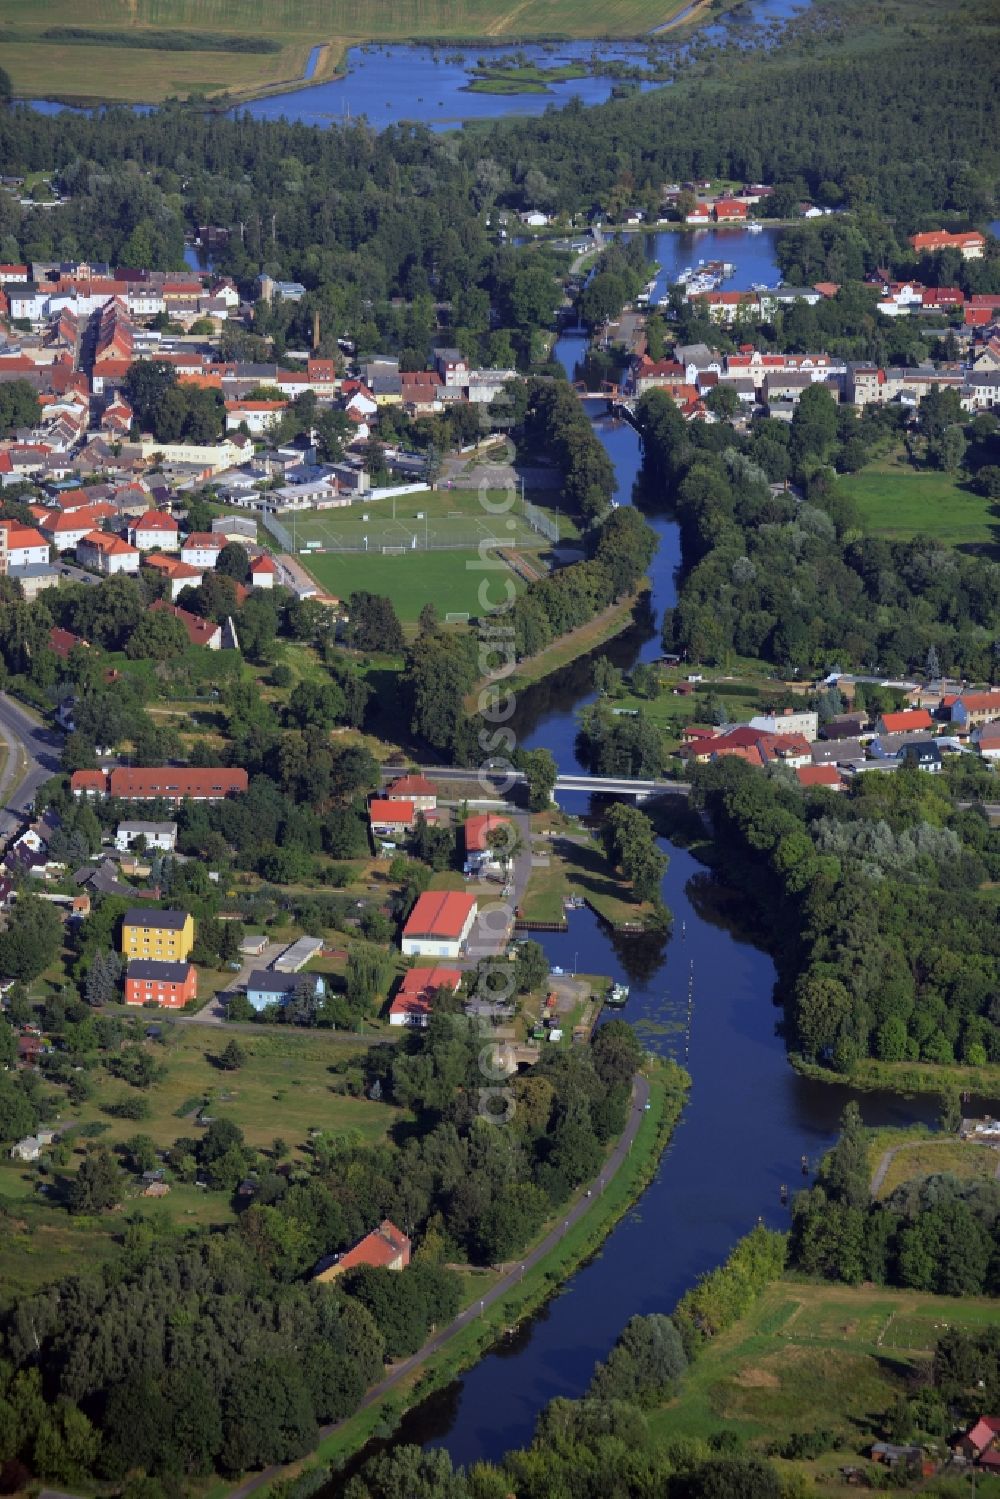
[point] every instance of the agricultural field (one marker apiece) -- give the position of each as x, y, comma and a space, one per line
288, 1085
900, 501
105, 69
811, 1356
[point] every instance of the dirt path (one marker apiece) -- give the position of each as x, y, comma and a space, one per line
640, 1097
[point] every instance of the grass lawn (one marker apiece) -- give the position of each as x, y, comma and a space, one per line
50, 67
451, 580
577, 866
900, 501
814, 1355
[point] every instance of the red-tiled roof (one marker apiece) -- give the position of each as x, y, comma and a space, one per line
199, 631
62, 642
381, 811
111, 546
263, 564
175, 781
819, 775
909, 718
379, 1248
88, 780
419, 987
411, 785
477, 830
155, 520
439, 913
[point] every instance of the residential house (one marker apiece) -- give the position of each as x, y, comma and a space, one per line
981, 1438
827, 776
28, 1149
164, 935
844, 726
909, 720
256, 416
167, 984
730, 210
452, 366
65, 530
922, 754
416, 789
386, 1248
156, 531
107, 554
203, 632
970, 710
180, 575
847, 753
159, 835
201, 549
390, 819
263, 571
439, 924
267, 986
25, 546
34, 578
479, 833
414, 999
987, 742
788, 721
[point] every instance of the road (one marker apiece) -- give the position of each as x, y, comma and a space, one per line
501, 781
33, 757
508, 1283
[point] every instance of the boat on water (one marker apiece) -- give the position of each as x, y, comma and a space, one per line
617, 996
754, 228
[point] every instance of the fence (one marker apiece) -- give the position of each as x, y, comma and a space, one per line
544, 524
281, 535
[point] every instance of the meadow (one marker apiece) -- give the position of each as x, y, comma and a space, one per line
59, 68
810, 1356
899, 501
289, 1084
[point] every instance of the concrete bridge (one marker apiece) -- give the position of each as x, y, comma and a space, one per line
501, 780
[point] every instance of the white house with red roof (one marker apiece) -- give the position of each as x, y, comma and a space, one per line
25, 546
107, 554
202, 548
263, 571
180, 575
439, 924
156, 531
414, 999
66, 531
390, 819
203, 632
386, 1248
256, 416
416, 789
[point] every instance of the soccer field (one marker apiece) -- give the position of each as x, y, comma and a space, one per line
449, 580
414, 521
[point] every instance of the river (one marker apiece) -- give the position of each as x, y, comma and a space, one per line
750, 1118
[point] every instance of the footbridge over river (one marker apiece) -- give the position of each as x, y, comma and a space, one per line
498, 779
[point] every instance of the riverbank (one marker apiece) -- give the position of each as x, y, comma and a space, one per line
869, 1075
565, 649
575, 1237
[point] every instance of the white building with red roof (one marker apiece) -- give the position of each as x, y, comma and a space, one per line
156, 531
107, 554
416, 789
386, 1248
415, 997
25, 546
263, 571
202, 548
439, 924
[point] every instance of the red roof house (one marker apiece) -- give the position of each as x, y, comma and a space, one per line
820, 775
905, 722
412, 1004
200, 631
386, 1248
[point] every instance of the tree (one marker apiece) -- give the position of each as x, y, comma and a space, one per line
629, 842
373, 624
19, 406
234, 562
103, 978
541, 771
32, 939
18, 1114
145, 387
814, 424
644, 1364
158, 636
97, 1185
232, 1057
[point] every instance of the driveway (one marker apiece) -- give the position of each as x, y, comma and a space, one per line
214, 1013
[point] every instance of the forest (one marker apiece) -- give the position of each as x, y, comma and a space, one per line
934, 1234
886, 944
793, 580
